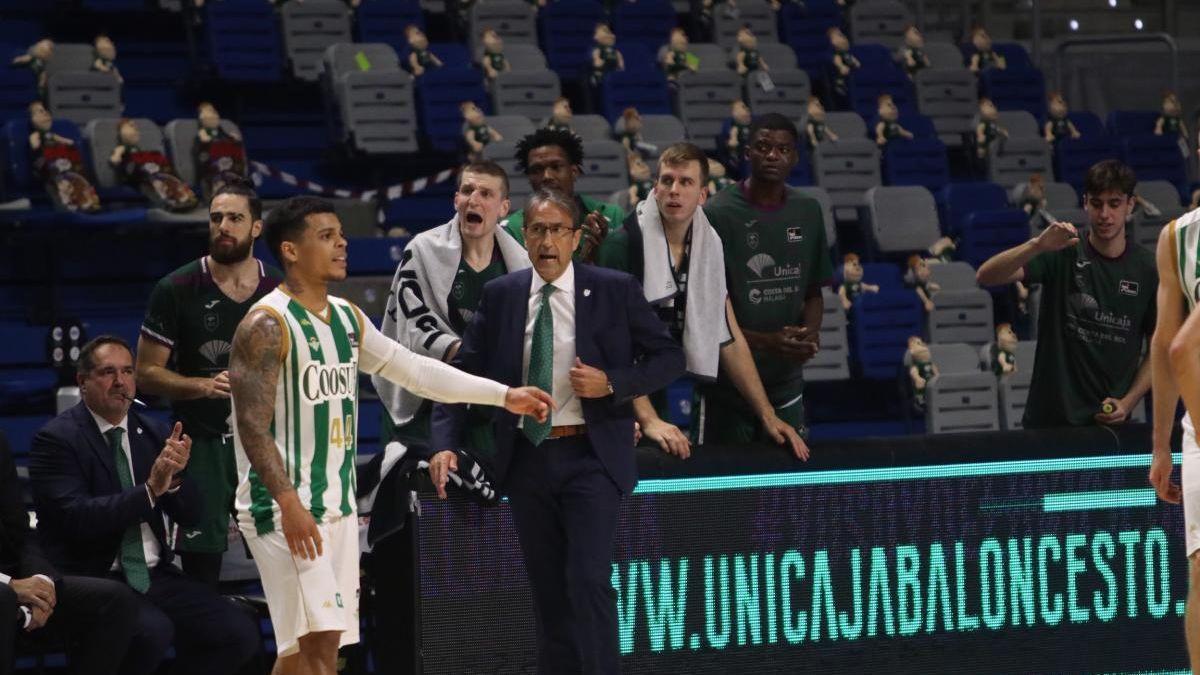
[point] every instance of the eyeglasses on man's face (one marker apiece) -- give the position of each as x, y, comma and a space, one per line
553, 231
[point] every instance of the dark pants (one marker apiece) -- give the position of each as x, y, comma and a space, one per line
564, 506
211, 634
94, 618
203, 567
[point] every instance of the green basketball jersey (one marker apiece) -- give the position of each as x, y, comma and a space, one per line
316, 412
467, 290
772, 258
1095, 316
192, 316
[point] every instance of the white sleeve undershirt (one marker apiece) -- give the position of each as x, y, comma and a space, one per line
424, 376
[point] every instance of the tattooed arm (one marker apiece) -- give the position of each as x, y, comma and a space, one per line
258, 349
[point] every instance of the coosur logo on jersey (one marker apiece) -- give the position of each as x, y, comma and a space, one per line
322, 382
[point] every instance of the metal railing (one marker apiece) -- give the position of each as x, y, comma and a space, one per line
1084, 40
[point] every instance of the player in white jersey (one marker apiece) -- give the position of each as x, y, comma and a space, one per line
1175, 359
294, 378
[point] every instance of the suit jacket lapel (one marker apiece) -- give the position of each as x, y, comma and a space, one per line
583, 312
98, 445
514, 341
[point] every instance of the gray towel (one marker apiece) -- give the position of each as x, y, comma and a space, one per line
422, 324
705, 327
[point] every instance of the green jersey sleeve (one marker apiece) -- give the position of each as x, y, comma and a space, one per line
614, 251
1038, 268
821, 265
162, 316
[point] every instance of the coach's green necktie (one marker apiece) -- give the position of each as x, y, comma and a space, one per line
541, 364
133, 556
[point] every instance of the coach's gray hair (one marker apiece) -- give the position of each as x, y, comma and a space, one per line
549, 196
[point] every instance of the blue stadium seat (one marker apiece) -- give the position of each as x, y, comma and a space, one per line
1073, 157
986, 233
244, 40
1151, 157
1014, 54
1015, 89
566, 28
957, 200
1156, 158
17, 88
114, 5
880, 325
418, 212
384, 21
439, 94
375, 255
18, 171
116, 300
879, 75
20, 431
1125, 123
646, 22
452, 54
921, 161
642, 88
885, 275
803, 29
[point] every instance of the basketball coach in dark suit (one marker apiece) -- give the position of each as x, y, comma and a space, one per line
95, 616
586, 335
104, 476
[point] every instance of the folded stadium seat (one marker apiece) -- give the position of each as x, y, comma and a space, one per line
1073, 157
511, 127
309, 28
880, 325
604, 169
961, 315
986, 233
822, 197
832, 362
903, 219
948, 95
101, 139
804, 28
658, 131
25, 370
440, 91
778, 56
879, 21
372, 96
643, 88
755, 14
1061, 202
790, 93
921, 161
530, 92
1165, 198
646, 22
525, 57
702, 101
589, 127
1023, 153
953, 276
504, 153
879, 74
370, 293
76, 93
847, 169
1015, 89
709, 56
846, 124
180, 139
566, 29
1013, 389
514, 20
962, 398
957, 200
244, 40
385, 20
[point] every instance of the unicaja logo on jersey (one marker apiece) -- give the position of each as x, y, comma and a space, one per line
321, 382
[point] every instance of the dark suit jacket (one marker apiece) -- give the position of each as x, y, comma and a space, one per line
82, 509
615, 331
20, 555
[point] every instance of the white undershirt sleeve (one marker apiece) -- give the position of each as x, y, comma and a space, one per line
424, 376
